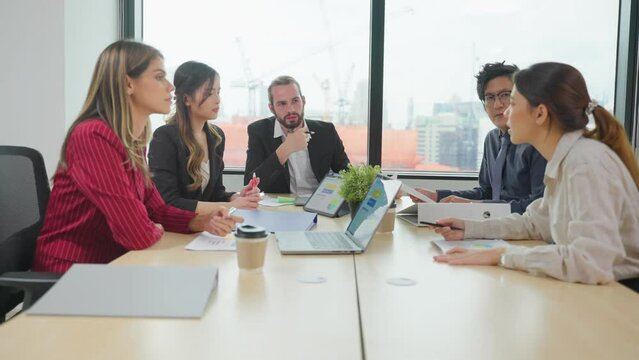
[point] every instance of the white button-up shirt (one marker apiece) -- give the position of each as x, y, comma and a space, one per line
303, 181
205, 169
590, 210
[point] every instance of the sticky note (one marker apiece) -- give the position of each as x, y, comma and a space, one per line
285, 200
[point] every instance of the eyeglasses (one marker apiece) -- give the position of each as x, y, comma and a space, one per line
504, 98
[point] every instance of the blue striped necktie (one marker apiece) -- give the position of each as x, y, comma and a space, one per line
498, 166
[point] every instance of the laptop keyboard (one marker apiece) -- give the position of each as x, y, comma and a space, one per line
321, 241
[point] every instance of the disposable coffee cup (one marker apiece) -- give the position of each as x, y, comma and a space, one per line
251, 247
388, 221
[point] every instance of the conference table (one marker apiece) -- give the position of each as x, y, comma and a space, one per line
359, 311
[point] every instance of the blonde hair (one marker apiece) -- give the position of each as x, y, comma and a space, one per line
107, 98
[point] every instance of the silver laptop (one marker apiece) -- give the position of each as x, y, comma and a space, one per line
359, 232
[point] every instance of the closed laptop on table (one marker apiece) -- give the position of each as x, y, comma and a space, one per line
421, 214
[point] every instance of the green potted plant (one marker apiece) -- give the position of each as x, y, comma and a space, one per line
356, 180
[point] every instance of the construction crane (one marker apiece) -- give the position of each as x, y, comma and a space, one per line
325, 86
251, 83
342, 101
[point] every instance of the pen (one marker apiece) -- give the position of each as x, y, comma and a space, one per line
438, 225
253, 182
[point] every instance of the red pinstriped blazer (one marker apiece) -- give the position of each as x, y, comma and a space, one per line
100, 207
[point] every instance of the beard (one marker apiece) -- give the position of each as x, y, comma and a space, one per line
291, 124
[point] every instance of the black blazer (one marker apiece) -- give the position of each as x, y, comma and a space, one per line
325, 150
168, 158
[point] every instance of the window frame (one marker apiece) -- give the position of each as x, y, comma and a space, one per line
626, 78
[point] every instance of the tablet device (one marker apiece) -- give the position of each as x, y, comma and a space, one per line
326, 199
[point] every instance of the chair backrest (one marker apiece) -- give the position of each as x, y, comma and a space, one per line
24, 193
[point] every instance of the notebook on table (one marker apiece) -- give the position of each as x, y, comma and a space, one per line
129, 291
358, 234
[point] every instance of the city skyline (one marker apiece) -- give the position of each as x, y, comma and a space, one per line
432, 52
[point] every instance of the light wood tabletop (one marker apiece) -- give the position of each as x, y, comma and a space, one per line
484, 312
249, 316
469, 312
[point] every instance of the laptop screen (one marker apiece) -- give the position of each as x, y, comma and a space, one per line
326, 198
370, 213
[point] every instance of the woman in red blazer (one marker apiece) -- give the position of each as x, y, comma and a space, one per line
103, 202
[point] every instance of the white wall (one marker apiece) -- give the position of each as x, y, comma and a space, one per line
89, 27
32, 80
49, 48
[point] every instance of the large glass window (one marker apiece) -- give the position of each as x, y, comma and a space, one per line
433, 119
324, 44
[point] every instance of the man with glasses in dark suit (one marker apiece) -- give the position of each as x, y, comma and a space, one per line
509, 173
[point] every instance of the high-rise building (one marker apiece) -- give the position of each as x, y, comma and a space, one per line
450, 136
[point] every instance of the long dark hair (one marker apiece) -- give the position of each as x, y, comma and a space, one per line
189, 77
563, 90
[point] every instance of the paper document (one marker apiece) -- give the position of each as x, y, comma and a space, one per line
407, 189
209, 242
472, 244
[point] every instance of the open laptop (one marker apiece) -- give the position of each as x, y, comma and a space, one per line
359, 232
326, 199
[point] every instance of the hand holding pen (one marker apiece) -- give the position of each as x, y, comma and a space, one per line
251, 188
450, 228
296, 140
254, 181
249, 196
307, 132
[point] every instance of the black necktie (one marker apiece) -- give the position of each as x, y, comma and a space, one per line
498, 167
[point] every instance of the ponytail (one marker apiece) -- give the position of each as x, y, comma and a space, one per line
610, 132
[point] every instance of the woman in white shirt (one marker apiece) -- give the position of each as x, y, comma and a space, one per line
589, 215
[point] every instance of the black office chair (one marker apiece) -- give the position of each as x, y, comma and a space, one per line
632, 284
24, 193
